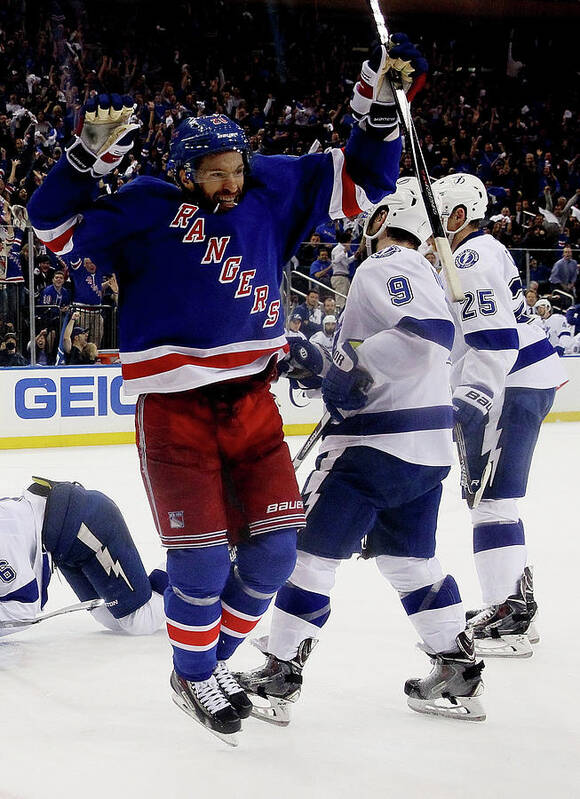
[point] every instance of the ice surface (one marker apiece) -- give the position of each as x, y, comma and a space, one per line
87, 714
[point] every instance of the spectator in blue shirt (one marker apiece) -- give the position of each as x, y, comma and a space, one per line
564, 272
321, 269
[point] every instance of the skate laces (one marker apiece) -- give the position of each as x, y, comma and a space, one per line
226, 680
209, 694
483, 616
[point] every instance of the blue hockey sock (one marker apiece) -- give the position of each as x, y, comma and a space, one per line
306, 605
437, 613
262, 565
193, 608
500, 557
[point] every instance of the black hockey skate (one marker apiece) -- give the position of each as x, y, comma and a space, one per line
232, 690
507, 630
453, 687
277, 682
206, 704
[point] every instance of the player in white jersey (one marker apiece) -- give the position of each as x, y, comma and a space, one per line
324, 339
504, 376
83, 534
382, 464
557, 330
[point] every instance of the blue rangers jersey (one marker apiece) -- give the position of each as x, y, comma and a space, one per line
497, 345
11, 246
396, 307
199, 294
24, 567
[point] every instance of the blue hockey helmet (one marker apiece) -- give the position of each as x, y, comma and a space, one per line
200, 136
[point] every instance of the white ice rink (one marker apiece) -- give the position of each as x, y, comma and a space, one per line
87, 714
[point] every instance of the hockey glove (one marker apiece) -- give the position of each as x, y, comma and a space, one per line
373, 103
471, 407
105, 134
304, 364
406, 66
346, 385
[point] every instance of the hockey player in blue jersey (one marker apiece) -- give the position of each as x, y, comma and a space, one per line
201, 356
82, 534
382, 465
504, 376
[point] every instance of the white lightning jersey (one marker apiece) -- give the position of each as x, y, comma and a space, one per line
557, 331
324, 344
497, 345
396, 307
24, 568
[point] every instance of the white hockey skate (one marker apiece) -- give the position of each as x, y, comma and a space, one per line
453, 687
507, 630
205, 703
276, 685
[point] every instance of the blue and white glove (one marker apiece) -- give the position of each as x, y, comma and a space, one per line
372, 102
303, 365
471, 407
106, 134
346, 385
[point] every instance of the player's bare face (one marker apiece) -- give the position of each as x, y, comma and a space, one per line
221, 179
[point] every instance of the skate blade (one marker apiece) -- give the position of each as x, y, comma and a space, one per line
533, 634
231, 739
464, 708
508, 646
276, 712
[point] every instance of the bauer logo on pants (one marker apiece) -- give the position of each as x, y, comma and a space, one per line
176, 520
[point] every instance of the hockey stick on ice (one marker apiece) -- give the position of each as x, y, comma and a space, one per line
90, 604
312, 439
420, 168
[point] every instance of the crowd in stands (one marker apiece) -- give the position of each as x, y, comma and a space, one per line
285, 75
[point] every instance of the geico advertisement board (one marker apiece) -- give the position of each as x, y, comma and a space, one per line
61, 406
66, 401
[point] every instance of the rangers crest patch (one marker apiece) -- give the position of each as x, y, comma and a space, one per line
176, 520
466, 259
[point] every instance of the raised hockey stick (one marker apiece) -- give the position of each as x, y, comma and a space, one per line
404, 112
90, 604
312, 439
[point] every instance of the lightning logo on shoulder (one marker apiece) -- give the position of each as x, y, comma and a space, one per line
466, 259
388, 251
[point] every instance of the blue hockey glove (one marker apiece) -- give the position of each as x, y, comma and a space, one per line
105, 135
346, 385
406, 66
471, 407
304, 363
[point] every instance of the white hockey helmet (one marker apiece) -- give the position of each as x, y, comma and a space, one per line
460, 189
546, 305
405, 210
